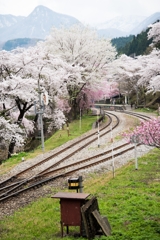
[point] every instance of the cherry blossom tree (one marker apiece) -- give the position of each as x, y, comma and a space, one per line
150, 73
22, 85
126, 72
140, 74
148, 133
154, 33
88, 97
15, 91
82, 50
8, 131
21, 70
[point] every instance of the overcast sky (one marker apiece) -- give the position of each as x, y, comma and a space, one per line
87, 11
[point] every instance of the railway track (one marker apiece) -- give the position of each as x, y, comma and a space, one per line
46, 176
138, 115
15, 185
89, 138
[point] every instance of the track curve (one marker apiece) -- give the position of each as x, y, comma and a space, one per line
15, 188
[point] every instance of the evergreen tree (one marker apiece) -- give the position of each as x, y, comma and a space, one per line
137, 46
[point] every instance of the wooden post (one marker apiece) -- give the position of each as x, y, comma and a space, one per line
67, 128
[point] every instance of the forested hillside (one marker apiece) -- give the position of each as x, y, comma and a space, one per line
19, 42
121, 42
133, 45
138, 45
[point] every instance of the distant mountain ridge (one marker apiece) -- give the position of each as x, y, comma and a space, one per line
37, 25
110, 33
9, 20
145, 23
130, 23
122, 23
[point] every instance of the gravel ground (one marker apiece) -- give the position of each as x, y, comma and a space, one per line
10, 206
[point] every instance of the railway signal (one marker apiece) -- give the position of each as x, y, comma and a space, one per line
98, 133
43, 100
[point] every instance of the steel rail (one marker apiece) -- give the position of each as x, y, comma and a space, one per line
45, 172
14, 177
63, 174
20, 183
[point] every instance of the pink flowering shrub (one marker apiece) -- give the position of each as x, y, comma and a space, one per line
148, 133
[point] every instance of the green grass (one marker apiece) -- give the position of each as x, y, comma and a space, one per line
130, 201
75, 130
57, 139
146, 110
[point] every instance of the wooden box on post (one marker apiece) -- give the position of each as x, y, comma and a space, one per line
70, 206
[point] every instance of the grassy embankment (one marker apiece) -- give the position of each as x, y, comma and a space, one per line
131, 201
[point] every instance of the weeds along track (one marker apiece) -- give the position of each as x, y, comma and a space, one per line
60, 168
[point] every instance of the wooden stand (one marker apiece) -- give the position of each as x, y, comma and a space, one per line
70, 204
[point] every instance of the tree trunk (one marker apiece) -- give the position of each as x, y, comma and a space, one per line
22, 109
11, 147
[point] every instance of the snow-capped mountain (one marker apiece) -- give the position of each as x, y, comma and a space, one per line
126, 25
37, 25
9, 20
122, 23
110, 33
144, 24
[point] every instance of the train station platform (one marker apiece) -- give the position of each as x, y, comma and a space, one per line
112, 107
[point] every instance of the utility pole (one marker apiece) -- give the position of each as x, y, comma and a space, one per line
98, 135
98, 129
80, 119
40, 114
